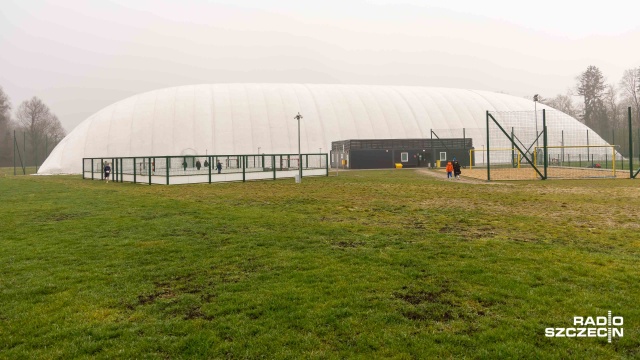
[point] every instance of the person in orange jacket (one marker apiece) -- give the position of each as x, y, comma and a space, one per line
449, 170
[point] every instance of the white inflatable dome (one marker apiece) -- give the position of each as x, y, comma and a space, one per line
247, 118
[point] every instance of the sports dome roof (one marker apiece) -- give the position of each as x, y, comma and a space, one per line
240, 118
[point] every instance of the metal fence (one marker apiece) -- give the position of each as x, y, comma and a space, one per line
524, 145
192, 169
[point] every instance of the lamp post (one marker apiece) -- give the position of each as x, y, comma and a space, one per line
299, 117
535, 111
258, 150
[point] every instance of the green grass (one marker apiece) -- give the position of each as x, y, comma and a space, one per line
369, 264
8, 171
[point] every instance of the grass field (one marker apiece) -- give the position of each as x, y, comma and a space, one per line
369, 264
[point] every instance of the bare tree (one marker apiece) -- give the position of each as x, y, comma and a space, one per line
6, 126
40, 124
55, 130
612, 106
563, 103
630, 85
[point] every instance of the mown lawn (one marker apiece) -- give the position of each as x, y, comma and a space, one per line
369, 264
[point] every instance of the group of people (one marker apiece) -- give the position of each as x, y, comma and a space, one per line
453, 169
199, 165
107, 167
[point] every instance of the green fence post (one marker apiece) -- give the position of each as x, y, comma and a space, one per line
273, 165
166, 165
209, 158
134, 170
488, 152
544, 143
433, 154
149, 171
630, 145
326, 163
243, 167
92, 168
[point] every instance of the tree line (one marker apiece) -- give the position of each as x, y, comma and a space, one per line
37, 131
603, 106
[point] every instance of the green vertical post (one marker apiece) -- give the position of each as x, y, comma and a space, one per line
209, 158
14, 152
134, 170
244, 158
587, 145
92, 167
433, 154
630, 145
149, 171
166, 165
514, 161
24, 149
544, 142
488, 152
83, 168
101, 169
464, 145
273, 165
326, 163
562, 143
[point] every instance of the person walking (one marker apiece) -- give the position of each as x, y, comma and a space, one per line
219, 166
456, 169
449, 169
107, 172
198, 165
184, 164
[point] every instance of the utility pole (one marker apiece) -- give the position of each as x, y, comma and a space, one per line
536, 97
299, 117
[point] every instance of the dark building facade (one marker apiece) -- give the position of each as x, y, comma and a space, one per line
386, 153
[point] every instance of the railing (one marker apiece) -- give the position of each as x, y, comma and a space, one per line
192, 169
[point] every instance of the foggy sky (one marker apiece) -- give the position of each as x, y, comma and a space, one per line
80, 56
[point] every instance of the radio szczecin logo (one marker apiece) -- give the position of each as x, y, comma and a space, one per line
599, 327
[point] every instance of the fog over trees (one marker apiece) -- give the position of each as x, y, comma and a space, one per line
600, 104
37, 131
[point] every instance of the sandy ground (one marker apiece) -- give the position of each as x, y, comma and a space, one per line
479, 175
442, 175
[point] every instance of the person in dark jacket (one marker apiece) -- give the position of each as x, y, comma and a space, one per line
107, 171
456, 169
219, 166
198, 165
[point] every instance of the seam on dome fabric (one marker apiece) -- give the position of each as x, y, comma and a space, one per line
353, 119
315, 103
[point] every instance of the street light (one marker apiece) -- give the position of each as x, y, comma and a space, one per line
258, 150
299, 117
536, 98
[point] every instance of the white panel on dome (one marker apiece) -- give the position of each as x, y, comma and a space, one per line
164, 125
142, 124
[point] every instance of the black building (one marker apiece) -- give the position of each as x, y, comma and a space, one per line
386, 153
